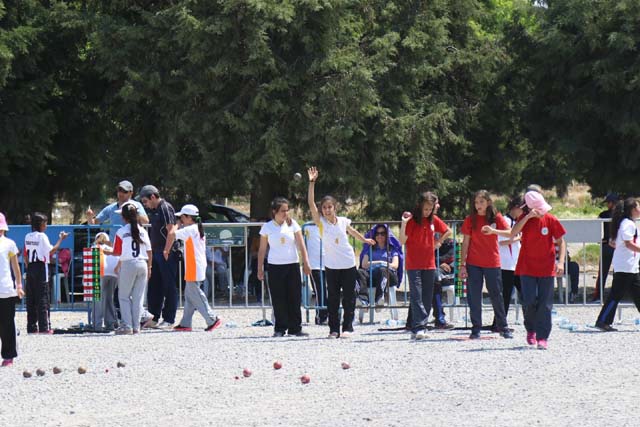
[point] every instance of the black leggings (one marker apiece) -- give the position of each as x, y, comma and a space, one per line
341, 280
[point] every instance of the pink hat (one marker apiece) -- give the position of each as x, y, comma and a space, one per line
535, 200
3, 223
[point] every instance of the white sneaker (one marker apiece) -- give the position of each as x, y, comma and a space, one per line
150, 323
165, 325
420, 336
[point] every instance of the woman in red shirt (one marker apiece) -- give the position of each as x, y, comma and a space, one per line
480, 259
417, 233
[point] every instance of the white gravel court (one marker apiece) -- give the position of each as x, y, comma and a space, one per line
586, 378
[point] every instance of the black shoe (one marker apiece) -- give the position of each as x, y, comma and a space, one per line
506, 333
475, 335
605, 328
444, 326
278, 334
300, 334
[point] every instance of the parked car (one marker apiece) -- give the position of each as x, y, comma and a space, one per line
221, 213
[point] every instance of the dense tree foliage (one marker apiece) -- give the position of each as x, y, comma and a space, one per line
208, 99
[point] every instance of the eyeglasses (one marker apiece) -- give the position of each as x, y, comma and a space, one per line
381, 233
122, 190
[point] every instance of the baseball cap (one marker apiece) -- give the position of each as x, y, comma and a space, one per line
190, 210
3, 223
148, 190
535, 200
125, 185
611, 197
125, 204
102, 235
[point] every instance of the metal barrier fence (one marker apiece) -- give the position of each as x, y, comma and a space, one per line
231, 273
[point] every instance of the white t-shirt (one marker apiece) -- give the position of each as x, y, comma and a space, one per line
8, 250
509, 253
282, 243
109, 262
313, 242
194, 251
38, 249
624, 259
339, 253
127, 248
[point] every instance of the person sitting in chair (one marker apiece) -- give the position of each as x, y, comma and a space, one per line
382, 269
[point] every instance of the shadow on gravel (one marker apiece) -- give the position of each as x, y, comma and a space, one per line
518, 348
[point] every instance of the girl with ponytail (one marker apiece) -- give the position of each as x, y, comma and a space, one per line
195, 267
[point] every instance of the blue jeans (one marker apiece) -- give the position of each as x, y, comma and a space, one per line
537, 303
162, 293
493, 278
421, 292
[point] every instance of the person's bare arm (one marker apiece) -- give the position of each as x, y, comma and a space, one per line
563, 251
63, 235
306, 267
311, 200
264, 242
18, 275
463, 255
355, 233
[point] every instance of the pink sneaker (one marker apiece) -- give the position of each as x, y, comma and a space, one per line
542, 344
531, 338
7, 362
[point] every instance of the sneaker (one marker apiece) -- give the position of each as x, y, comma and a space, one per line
531, 338
444, 326
48, 332
346, 334
136, 331
150, 324
605, 328
506, 333
475, 335
7, 362
420, 335
334, 335
278, 334
181, 328
165, 325
542, 344
215, 325
300, 334
124, 331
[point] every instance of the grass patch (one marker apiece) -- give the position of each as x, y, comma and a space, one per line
592, 252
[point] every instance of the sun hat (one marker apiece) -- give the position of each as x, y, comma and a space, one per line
535, 200
129, 203
191, 210
3, 223
126, 186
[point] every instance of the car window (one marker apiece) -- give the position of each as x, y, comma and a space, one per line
218, 217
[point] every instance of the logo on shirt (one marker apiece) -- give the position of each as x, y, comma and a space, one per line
337, 241
544, 231
282, 240
433, 227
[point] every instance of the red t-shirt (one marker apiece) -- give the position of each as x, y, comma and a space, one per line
483, 248
420, 243
538, 252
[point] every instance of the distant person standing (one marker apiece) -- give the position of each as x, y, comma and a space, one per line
10, 293
607, 250
162, 294
108, 215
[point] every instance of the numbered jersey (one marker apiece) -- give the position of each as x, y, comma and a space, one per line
127, 248
37, 247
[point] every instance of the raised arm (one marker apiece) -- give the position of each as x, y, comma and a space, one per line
403, 227
355, 233
311, 196
63, 235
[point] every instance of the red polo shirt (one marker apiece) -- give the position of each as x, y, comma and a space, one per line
538, 252
483, 248
420, 243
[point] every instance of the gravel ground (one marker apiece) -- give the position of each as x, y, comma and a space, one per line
195, 378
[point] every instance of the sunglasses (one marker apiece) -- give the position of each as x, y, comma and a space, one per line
381, 233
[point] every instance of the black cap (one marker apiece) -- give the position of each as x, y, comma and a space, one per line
148, 190
611, 197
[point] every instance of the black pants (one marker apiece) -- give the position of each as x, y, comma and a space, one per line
285, 285
320, 289
341, 280
607, 257
621, 282
162, 293
37, 298
378, 280
8, 327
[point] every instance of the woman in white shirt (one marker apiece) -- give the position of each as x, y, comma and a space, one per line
282, 235
625, 261
340, 261
133, 247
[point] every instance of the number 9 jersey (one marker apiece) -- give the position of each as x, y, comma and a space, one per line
127, 248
